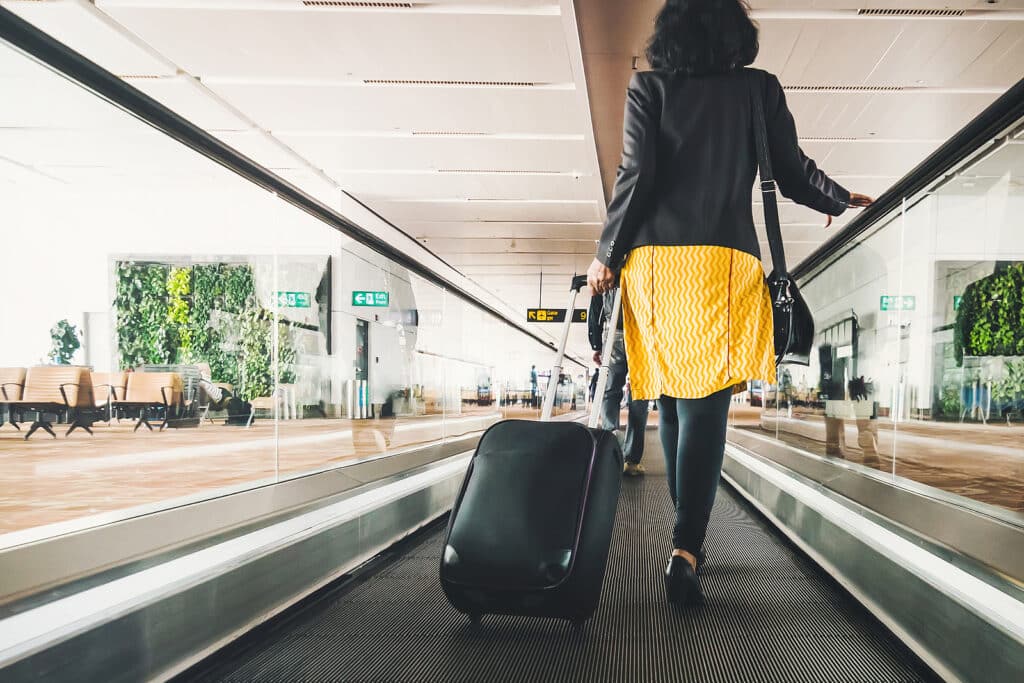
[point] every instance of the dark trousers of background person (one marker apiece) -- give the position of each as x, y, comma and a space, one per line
636, 422
693, 437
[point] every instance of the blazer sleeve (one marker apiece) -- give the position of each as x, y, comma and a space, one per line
799, 178
635, 175
594, 322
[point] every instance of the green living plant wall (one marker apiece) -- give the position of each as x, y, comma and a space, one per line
206, 313
140, 302
990, 319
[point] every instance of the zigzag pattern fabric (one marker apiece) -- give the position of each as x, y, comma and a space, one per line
697, 319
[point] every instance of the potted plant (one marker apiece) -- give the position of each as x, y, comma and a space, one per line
65, 342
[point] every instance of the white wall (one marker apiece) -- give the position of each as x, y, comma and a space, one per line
61, 239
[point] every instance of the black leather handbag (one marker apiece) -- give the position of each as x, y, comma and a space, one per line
793, 322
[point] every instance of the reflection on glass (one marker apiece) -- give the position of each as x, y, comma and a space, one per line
919, 363
174, 333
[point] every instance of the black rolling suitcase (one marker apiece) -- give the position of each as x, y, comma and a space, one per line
530, 529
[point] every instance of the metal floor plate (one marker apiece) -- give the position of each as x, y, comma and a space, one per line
769, 616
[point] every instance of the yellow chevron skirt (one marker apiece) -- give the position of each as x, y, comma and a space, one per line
697, 319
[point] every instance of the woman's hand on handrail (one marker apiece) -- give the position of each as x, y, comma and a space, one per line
858, 201
600, 277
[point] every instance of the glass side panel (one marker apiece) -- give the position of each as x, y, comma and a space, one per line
918, 369
210, 336
136, 299
963, 426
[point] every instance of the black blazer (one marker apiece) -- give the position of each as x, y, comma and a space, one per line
688, 164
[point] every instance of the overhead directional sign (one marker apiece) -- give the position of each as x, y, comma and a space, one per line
897, 303
371, 299
554, 315
293, 299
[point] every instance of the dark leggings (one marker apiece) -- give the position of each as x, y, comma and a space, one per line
693, 438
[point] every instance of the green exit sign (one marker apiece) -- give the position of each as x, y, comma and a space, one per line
293, 299
956, 302
382, 299
897, 303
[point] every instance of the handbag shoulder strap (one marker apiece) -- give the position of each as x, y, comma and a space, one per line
764, 166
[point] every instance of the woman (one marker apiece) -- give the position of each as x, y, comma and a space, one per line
680, 227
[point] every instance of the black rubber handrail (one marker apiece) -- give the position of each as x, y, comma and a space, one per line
995, 118
76, 67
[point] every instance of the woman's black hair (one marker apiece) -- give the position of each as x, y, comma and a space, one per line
700, 37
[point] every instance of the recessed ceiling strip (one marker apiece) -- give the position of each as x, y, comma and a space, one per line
358, 5
909, 12
450, 83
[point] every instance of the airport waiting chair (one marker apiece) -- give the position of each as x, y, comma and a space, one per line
108, 387
189, 406
281, 403
147, 391
56, 389
12, 386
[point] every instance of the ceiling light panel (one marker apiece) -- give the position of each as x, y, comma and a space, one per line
835, 52
429, 185
509, 211
511, 7
305, 44
338, 155
502, 230
893, 10
947, 53
490, 260
84, 29
891, 160
476, 245
1000, 63
906, 53
902, 114
301, 108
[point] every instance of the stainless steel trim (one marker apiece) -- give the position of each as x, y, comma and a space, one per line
35, 567
1002, 514
997, 542
156, 623
942, 619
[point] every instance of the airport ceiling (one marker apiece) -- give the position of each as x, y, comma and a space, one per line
491, 130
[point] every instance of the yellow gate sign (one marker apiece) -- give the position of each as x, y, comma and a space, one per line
554, 315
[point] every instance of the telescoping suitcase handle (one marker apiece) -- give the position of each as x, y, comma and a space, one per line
578, 283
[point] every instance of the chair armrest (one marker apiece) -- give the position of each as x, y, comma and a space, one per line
64, 394
3, 388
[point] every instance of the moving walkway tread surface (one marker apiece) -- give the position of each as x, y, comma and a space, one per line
770, 615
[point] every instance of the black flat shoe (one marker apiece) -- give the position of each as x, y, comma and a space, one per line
681, 585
